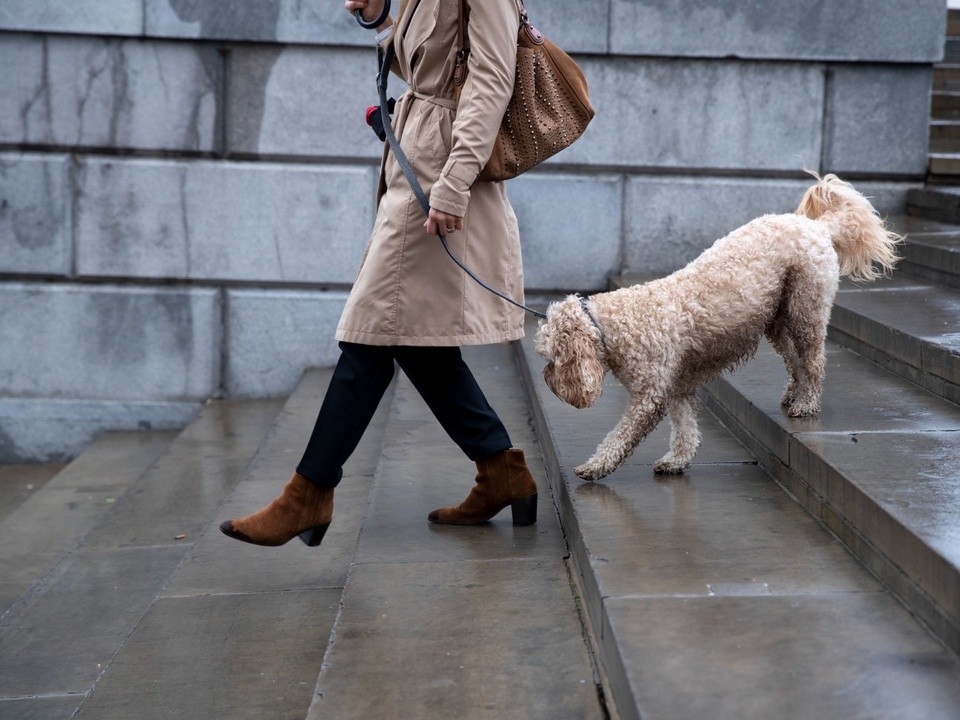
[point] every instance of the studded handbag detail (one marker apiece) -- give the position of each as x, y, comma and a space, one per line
550, 107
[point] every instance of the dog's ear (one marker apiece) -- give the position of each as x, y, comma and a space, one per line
568, 342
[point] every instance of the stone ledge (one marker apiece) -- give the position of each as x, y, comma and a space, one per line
44, 430
874, 466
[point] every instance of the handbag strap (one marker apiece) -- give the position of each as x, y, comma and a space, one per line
463, 38
385, 58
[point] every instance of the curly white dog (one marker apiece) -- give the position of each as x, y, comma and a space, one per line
775, 276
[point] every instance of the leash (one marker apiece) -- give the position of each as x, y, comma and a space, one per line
385, 60
586, 311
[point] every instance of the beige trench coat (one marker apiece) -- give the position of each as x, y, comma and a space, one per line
408, 291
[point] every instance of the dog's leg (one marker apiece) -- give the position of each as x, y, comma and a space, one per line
806, 328
640, 418
684, 437
777, 335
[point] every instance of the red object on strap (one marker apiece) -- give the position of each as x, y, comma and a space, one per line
370, 111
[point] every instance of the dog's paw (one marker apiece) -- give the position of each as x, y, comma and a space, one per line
670, 464
590, 471
802, 410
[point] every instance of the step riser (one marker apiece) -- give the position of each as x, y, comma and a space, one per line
809, 480
925, 364
609, 651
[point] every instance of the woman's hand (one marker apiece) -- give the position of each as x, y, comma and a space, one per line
370, 9
440, 223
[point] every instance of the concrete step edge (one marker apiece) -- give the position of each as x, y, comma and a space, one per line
914, 355
904, 576
620, 689
45, 535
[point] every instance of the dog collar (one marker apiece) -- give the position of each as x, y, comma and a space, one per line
586, 311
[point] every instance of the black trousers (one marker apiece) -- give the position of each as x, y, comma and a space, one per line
359, 381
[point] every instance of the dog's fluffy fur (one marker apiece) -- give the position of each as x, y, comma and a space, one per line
775, 276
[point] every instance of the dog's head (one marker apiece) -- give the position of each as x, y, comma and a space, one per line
570, 343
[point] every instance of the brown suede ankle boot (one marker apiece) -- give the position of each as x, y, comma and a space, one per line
303, 509
502, 479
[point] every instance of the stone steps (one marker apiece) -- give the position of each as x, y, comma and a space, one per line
703, 589
93, 549
395, 616
931, 250
456, 622
935, 202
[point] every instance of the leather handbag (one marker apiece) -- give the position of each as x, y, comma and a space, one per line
550, 107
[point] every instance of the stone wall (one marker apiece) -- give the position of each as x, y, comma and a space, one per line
186, 186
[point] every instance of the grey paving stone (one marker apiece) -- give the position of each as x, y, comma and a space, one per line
717, 530
570, 229
184, 488
61, 638
18, 483
146, 343
877, 119
34, 214
218, 565
420, 469
859, 30
297, 326
46, 708
457, 639
239, 656
650, 114
53, 520
204, 220
849, 655
94, 92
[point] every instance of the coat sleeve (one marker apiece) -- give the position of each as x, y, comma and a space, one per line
493, 26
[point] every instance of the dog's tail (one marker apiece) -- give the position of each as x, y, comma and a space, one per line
859, 236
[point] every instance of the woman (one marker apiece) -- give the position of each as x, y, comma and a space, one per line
410, 303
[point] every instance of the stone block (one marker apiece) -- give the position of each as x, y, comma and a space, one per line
273, 335
41, 430
570, 229
99, 17
699, 114
92, 92
670, 220
285, 21
302, 101
109, 343
571, 25
34, 214
857, 30
877, 119
207, 220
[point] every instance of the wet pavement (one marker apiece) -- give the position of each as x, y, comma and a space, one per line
137, 607
714, 594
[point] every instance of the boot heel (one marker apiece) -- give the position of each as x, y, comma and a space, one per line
314, 536
525, 510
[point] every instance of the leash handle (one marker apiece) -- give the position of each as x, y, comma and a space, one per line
385, 59
379, 20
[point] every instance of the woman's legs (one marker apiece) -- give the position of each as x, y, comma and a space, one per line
356, 388
451, 392
359, 381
